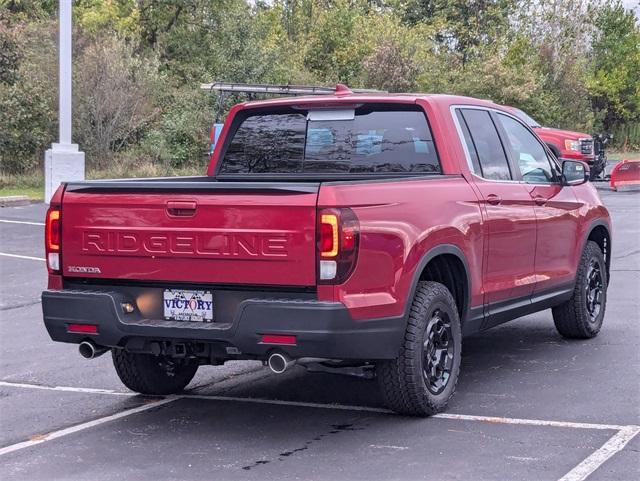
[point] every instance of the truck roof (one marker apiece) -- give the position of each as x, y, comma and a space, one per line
346, 96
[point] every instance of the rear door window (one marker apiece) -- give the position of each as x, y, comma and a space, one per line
484, 144
373, 139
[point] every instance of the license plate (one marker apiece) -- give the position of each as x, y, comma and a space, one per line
184, 305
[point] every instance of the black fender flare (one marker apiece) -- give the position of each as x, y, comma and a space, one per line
426, 258
608, 254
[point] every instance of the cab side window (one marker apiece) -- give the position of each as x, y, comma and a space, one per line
530, 155
484, 145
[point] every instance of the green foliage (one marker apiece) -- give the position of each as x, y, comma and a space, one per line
25, 124
138, 64
331, 53
10, 55
27, 115
179, 139
626, 136
614, 79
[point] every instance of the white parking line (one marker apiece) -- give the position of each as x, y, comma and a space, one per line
583, 470
88, 390
529, 422
277, 402
614, 445
81, 427
455, 417
22, 257
343, 407
6, 221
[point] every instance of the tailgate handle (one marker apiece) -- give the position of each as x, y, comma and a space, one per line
181, 208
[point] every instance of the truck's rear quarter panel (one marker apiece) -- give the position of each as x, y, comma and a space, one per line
400, 221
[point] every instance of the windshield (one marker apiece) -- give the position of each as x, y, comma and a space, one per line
526, 118
367, 139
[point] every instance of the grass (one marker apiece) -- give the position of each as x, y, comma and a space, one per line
32, 184
34, 193
623, 155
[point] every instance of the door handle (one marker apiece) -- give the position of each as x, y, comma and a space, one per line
180, 208
493, 199
539, 200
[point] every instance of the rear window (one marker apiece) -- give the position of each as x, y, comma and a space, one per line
368, 139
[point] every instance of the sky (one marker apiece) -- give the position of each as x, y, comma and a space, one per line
632, 5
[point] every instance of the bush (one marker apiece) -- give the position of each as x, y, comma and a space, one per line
181, 135
627, 136
114, 92
26, 122
391, 69
27, 97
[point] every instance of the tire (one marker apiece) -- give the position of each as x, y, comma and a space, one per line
405, 386
149, 374
581, 316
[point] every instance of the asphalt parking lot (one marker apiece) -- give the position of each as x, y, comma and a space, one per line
529, 405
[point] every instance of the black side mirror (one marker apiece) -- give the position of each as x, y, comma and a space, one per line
574, 172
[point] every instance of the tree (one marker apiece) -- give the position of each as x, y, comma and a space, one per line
10, 55
114, 89
389, 68
614, 80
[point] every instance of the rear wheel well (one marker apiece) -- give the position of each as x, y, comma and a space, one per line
448, 269
600, 235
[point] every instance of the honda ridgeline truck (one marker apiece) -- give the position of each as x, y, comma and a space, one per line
349, 230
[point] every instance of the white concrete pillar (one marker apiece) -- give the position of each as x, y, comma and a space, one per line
63, 161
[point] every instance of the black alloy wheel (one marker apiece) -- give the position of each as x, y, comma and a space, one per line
438, 350
594, 289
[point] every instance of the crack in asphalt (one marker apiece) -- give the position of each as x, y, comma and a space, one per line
18, 306
335, 429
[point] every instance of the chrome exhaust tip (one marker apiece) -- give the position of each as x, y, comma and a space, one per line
279, 362
89, 350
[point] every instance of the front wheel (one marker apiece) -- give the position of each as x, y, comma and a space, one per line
581, 316
149, 374
422, 379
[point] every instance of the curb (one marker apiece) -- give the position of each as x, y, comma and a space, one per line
14, 200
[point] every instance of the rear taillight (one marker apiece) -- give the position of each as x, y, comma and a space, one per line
338, 238
52, 236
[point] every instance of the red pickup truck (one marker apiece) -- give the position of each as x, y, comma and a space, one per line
348, 230
569, 145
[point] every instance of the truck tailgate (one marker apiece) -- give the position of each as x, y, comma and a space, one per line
221, 233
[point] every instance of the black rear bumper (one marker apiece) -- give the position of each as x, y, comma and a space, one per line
322, 329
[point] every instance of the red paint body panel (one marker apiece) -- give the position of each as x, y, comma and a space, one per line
244, 238
626, 174
530, 241
399, 224
511, 234
558, 241
557, 137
